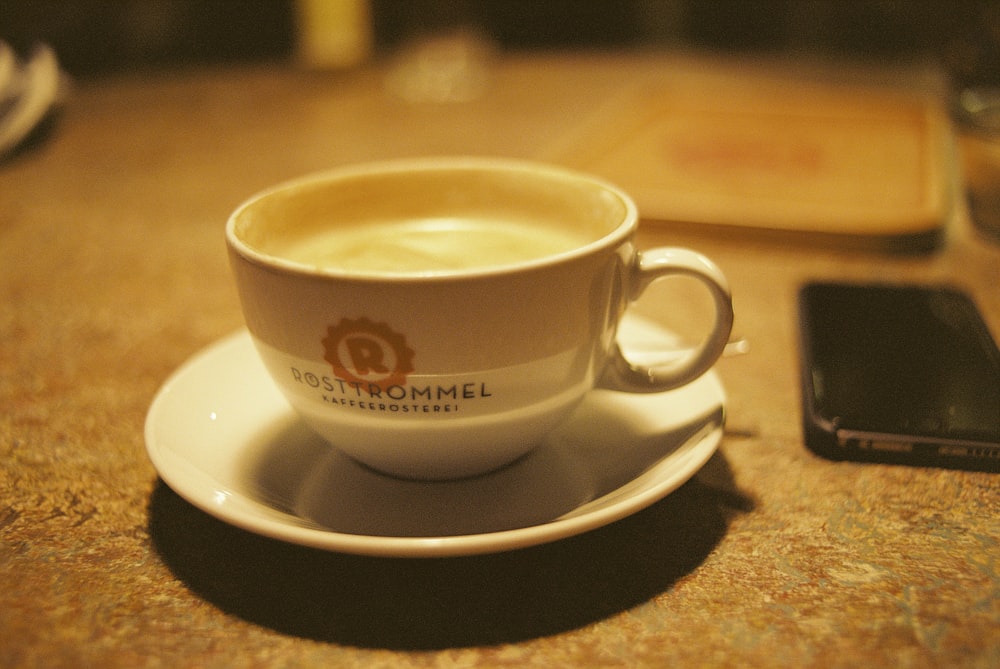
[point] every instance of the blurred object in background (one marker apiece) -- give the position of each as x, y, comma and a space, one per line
978, 115
451, 66
441, 52
32, 90
332, 33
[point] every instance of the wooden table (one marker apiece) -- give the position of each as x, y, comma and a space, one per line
113, 272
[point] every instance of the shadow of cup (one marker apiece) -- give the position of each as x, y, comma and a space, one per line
423, 604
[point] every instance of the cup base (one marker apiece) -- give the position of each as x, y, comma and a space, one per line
444, 452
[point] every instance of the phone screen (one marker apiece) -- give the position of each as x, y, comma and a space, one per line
899, 360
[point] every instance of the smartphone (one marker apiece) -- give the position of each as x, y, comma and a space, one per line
899, 373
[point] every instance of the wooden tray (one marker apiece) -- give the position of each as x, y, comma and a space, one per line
772, 154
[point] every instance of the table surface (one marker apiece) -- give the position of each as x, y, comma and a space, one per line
113, 272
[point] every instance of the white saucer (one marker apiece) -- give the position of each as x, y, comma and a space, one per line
223, 437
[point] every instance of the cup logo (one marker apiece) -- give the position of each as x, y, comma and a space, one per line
369, 354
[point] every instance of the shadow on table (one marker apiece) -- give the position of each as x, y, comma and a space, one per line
446, 602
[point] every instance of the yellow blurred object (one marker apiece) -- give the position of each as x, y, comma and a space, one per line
333, 33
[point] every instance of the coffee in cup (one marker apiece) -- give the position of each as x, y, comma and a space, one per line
436, 318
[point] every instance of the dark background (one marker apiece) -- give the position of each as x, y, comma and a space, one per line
95, 37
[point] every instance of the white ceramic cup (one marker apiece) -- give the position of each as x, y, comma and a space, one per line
443, 371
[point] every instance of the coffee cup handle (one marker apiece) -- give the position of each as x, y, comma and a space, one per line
648, 267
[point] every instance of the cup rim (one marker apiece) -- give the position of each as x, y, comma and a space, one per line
613, 238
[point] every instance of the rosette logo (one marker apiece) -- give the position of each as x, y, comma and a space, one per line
368, 354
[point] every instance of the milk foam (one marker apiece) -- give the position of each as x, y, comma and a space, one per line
429, 246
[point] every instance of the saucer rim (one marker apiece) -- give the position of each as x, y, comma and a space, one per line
680, 466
